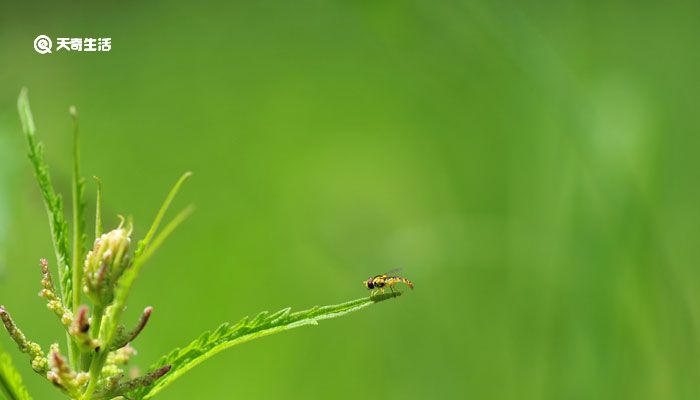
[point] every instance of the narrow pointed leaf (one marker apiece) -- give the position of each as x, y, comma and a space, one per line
52, 201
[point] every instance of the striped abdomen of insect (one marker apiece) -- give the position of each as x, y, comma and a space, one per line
379, 282
397, 279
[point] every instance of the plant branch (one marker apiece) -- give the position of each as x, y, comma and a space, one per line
226, 336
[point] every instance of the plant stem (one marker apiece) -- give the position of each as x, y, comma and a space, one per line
96, 360
98, 209
97, 316
78, 249
73, 351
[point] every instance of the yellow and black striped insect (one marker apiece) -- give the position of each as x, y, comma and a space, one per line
379, 282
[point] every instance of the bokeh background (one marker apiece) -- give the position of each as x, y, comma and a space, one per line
534, 167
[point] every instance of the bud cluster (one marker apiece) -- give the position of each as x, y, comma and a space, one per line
116, 360
63, 376
105, 263
103, 266
48, 292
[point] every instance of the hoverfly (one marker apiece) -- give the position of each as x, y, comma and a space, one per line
379, 282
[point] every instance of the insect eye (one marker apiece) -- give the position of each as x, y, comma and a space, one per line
370, 284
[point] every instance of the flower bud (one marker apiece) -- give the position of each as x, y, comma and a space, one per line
105, 263
79, 330
62, 375
54, 302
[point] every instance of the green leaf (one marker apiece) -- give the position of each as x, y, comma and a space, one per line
167, 230
52, 201
143, 244
226, 335
143, 252
11, 385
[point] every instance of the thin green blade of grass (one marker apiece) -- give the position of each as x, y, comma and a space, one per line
52, 201
225, 336
11, 386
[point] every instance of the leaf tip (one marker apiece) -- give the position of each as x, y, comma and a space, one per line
184, 177
23, 95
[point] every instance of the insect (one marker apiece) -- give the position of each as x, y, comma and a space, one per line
379, 282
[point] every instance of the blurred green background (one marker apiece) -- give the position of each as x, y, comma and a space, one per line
533, 167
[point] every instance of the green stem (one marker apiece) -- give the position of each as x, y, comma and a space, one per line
98, 315
97, 360
73, 350
77, 234
98, 209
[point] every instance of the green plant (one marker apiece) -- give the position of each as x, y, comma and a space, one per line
98, 343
